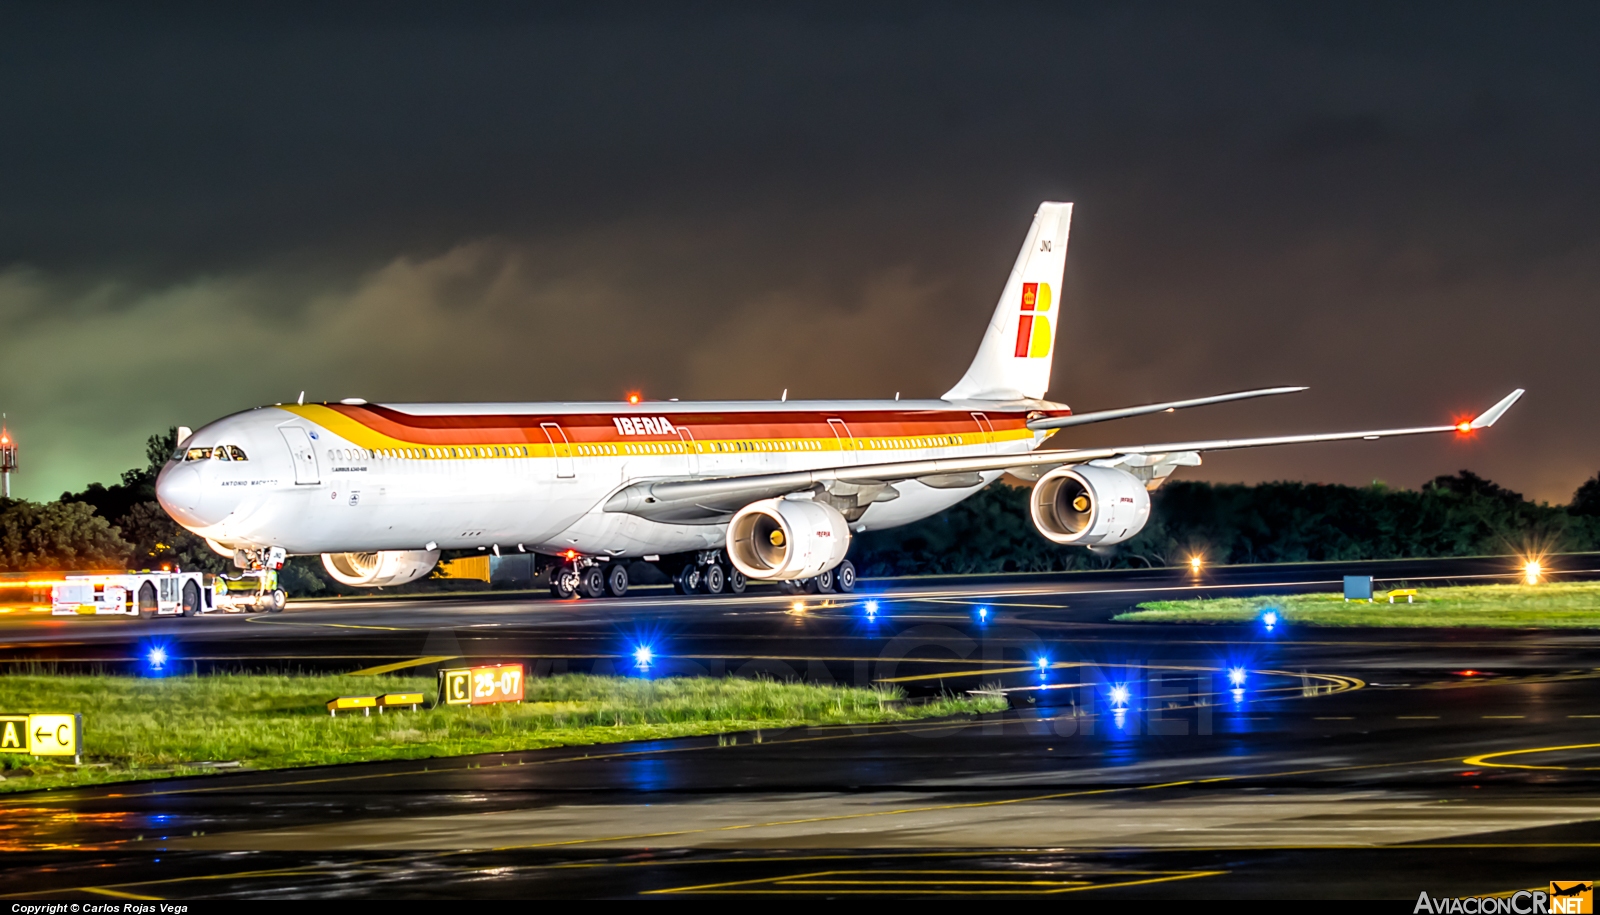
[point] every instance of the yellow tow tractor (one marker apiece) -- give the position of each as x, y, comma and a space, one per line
254, 589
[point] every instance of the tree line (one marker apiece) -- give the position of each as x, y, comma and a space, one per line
120, 526
1462, 514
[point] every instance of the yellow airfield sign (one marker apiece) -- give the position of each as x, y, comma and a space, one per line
42, 735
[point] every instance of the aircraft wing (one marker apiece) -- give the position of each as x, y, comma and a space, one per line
1100, 416
705, 500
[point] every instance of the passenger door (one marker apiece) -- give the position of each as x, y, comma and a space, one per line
305, 459
693, 450
986, 428
562, 449
847, 442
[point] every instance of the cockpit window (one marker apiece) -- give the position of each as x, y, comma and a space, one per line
237, 453
221, 453
197, 454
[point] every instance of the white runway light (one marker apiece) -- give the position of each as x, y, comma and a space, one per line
1531, 570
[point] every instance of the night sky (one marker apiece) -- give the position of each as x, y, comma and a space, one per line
207, 209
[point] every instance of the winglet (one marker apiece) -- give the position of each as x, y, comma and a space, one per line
1487, 417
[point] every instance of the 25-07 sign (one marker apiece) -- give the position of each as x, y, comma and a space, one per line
481, 685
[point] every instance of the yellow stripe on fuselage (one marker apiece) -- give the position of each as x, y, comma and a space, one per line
362, 436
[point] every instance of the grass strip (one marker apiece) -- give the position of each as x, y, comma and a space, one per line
1564, 605
136, 728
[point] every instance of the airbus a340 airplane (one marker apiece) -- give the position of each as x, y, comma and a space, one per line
728, 491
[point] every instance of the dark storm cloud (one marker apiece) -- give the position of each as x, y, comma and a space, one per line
203, 209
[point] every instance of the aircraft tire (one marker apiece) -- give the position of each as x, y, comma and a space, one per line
561, 586
824, 582
277, 600
617, 580
592, 583
712, 579
688, 580
845, 576
736, 581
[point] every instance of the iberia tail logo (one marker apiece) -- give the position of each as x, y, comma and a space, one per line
1033, 328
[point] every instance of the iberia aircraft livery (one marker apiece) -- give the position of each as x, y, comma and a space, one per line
721, 492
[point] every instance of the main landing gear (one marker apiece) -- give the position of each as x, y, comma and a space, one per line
581, 576
711, 573
841, 578
708, 573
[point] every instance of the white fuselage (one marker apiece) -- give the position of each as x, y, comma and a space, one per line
353, 477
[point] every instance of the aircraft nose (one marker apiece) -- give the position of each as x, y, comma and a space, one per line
182, 491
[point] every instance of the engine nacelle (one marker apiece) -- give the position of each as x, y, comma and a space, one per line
787, 539
377, 570
1089, 506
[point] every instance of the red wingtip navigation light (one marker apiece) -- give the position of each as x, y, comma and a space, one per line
633, 397
1464, 426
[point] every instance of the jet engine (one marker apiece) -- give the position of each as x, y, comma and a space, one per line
376, 570
787, 539
1089, 506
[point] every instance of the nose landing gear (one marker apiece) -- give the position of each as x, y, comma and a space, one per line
256, 586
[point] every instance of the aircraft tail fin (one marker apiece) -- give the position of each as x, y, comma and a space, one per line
1013, 361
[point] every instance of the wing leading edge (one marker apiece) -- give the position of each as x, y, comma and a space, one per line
706, 500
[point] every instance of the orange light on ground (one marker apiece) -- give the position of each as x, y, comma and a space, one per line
1195, 562
1531, 570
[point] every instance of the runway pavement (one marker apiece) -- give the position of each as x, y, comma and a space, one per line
1356, 764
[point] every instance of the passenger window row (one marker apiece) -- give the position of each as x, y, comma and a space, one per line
767, 444
656, 448
415, 454
925, 441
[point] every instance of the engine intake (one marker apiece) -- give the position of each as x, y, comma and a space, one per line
377, 570
1089, 506
785, 540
